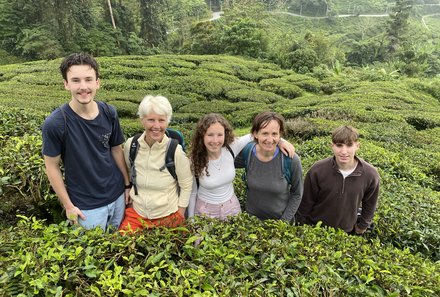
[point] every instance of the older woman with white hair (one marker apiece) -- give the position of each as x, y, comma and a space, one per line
158, 199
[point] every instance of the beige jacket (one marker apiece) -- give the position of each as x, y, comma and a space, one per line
157, 190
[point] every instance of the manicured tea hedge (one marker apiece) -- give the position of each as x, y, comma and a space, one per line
242, 257
399, 123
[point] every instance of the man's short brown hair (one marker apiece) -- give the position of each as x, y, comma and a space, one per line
345, 135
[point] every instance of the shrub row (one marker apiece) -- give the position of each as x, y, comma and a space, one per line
241, 257
398, 121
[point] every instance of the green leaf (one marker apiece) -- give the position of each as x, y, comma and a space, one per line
192, 239
207, 287
95, 290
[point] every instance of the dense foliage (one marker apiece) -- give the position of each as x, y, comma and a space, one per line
400, 134
49, 29
303, 35
242, 257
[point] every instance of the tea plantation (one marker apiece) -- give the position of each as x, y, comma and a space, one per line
399, 122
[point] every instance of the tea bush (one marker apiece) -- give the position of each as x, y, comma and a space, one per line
24, 187
303, 128
252, 95
305, 82
399, 125
287, 261
403, 220
432, 87
281, 87
20, 121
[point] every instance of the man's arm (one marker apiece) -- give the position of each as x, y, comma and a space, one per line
55, 177
369, 203
118, 156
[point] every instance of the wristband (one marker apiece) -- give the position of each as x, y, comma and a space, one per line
128, 186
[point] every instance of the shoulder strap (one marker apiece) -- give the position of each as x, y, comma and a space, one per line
134, 147
110, 115
169, 157
107, 110
230, 150
286, 164
63, 144
175, 134
169, 160
247, 151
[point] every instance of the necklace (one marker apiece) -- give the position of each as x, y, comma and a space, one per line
216, 163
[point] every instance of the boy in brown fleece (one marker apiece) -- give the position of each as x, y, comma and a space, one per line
335, 187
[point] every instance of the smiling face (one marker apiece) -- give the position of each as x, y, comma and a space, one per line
344, 154
82, 84
214, 139
155, 126
268, 137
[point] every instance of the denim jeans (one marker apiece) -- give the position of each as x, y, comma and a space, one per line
108, 216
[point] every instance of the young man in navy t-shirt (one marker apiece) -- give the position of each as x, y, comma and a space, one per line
86, 136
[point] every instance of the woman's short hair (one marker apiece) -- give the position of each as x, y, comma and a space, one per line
155, 104
262, 119
345, 134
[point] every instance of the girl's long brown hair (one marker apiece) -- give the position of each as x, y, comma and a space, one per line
199, 154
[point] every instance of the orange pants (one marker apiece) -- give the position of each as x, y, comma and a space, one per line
134, 222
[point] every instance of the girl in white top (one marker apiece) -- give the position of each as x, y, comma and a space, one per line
212, 162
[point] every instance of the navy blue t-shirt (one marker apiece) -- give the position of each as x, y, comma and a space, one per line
91, 175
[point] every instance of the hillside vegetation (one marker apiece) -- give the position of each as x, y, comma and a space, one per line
399, 122
303, 35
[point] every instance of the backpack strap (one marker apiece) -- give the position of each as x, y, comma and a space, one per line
230, 150
286, 165
176, 138
134, 147
107, 111
169, 160
63, 144
247, 151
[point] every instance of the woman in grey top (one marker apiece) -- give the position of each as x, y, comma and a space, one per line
273, 180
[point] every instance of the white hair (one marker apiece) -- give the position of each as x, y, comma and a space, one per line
155, 104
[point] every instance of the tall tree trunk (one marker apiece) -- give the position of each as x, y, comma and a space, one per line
109, 2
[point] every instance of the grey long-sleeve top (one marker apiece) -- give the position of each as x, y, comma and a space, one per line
269, 195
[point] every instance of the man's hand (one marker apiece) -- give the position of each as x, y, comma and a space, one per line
73, 213
128, 199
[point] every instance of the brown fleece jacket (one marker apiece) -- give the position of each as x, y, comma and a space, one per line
330, 198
